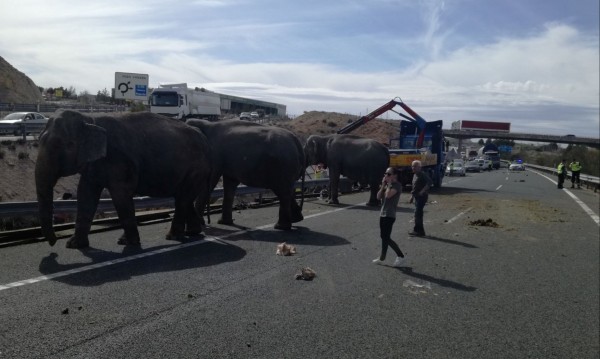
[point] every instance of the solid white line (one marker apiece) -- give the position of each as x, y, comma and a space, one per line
458, 215
151, 253
587, 209
497, 188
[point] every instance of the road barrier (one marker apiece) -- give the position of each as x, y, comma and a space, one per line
30, 208
586, 180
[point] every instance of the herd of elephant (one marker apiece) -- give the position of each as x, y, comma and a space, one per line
145, 154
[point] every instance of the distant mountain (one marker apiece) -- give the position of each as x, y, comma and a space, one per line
16, 87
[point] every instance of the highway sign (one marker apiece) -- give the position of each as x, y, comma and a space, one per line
131, 86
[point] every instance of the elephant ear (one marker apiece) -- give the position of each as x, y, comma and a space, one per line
93, 143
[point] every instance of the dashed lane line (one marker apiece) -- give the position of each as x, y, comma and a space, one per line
458, 215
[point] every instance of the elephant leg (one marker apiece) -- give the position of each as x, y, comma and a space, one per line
177, 230
229, 186
88, 196
296, 212
373, 201
334, 182
194, 221
123, 202
286, 197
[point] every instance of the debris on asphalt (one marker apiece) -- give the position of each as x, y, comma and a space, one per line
306, 274
484, 223
285, 249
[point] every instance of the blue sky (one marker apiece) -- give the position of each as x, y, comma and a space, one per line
533, 63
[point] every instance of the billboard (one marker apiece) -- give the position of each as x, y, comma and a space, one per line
130, 86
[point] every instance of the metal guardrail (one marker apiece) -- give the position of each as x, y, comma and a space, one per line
21, 128
587, 180
30, 208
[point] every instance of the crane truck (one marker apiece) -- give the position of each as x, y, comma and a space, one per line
180, 102
418, 140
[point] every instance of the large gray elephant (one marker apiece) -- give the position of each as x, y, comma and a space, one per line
136, 154
360, 159
257, 156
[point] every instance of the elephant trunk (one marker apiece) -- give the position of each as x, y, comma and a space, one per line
46, 177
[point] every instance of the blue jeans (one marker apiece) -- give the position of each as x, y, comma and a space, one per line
420, 202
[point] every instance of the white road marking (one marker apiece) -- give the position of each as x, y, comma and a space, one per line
587, 209
151, 253
497, 188
458, 215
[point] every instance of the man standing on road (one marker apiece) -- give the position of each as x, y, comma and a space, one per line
562, 173
575, 168
420, 193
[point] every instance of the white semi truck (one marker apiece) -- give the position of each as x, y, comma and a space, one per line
179, 101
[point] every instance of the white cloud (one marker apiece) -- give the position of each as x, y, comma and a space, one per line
536, 79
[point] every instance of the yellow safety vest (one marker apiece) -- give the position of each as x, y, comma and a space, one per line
575, 166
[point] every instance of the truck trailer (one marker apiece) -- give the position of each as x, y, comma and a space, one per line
465, 125
180, 102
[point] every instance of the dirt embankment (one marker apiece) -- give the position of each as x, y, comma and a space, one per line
17, 168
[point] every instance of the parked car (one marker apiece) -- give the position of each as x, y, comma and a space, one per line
245, 116
254, 115
455, 168
515, 166
472, 166
13, 123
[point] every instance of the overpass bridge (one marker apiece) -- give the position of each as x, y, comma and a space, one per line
569, 139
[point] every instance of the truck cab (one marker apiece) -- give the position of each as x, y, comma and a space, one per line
180, 102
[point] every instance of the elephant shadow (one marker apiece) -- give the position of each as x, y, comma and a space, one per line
147, 261
299, 235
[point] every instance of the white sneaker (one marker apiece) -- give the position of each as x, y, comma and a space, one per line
399, 262
377, 261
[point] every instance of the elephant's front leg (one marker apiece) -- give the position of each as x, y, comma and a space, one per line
88, 196
229, 186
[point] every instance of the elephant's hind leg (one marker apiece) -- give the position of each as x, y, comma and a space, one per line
229, 186
123, 203
182, 207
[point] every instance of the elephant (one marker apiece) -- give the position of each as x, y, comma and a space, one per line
360, 159
134, 154
258, 156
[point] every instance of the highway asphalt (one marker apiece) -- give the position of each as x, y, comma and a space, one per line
528, 288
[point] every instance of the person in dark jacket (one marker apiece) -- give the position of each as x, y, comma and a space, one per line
420, 193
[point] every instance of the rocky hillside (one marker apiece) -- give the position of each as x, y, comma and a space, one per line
15, 86
324, 123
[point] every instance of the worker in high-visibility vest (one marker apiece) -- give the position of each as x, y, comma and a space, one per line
562, 173
575, 168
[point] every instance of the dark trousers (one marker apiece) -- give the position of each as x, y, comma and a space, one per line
575, 179
420, 202
385, 228
561, 180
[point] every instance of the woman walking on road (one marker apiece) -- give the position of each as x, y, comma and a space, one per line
389, 194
